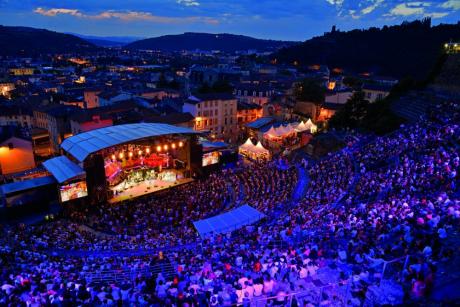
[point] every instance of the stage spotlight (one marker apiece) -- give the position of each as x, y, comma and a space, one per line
158, 148
139, 152
173, 145
113, 157
147, 150
130, 154
181, 144
121, 155
165, 147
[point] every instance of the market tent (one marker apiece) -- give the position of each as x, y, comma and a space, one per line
301, 127
259, 148
310, 125
272, 132
248, 145
228, 221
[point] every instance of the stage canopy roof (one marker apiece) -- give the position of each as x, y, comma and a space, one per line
228, 221
82, 145
63, 169
26, 184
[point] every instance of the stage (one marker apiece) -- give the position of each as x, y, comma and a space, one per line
146, 187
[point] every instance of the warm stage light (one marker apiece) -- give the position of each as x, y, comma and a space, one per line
121, 155
130, 154
158, 148
139, 152
147, 150
113, 157
173, 145
181, 144
165, 147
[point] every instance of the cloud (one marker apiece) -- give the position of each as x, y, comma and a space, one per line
337, 3
436, 14
451, 4
372, 7
408, 9
55, 12
416, 9
188, 2
126, 16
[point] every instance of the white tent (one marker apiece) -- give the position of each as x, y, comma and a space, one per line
259, 148
255, 152
301, 127
248, 145
273, 132
310, 125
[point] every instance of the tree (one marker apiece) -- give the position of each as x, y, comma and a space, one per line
352, 113
310, 90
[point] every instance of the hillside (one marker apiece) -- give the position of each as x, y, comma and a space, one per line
108, 41
410, 49
206, 41
30, 41
449, 77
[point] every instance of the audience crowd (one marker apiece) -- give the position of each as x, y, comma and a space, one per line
377, 200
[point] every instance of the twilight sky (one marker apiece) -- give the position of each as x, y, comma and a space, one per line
277, 19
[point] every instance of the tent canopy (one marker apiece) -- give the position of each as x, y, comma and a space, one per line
259, 148
228, 221
248, 145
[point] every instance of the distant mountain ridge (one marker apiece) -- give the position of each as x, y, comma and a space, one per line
108, 41
25, 41
409, 49
206, 41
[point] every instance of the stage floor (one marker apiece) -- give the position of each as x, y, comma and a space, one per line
147, 187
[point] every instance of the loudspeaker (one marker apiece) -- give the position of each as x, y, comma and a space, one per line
95, 179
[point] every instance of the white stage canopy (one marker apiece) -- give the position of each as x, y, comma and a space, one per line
63, 169
228, 221
82, 145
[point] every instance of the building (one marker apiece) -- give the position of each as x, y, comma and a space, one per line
248, 112
41, 143
308, 109
16, 151
338, 96
22, 71
375, 92
6, 89
254, 93
55, 119
108, 98
85, 121
16, 116
216, 113
90, 97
